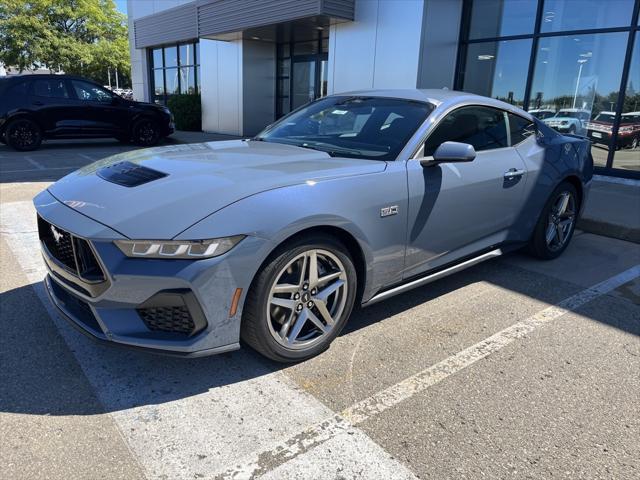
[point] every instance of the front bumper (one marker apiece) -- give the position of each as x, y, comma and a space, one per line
176, 307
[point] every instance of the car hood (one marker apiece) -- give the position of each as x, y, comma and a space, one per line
559, 119
198, 180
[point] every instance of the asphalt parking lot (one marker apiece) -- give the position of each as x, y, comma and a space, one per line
514, 368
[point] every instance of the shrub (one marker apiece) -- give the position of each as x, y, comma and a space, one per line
186, 111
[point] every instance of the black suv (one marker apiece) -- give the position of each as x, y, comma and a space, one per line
35, 107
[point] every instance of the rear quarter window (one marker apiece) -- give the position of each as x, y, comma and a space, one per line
520, 128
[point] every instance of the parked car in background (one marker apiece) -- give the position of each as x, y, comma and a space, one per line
346, 201
38, 107
569, 120
542, 113
600, 129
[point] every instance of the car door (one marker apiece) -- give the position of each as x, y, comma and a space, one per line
50, 103
458, 209
99, 111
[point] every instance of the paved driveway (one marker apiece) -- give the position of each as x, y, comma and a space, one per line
512, 369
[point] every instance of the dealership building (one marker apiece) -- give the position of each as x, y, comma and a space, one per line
253, 61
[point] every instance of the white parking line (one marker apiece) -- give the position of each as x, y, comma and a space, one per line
36, 164
38, 169
377, 403
228, 416
194, 418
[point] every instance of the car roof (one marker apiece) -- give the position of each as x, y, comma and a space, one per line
29, 76
436, 97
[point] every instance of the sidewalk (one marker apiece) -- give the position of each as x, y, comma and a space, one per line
613, 209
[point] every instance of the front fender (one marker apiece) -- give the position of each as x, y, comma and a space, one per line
352, 204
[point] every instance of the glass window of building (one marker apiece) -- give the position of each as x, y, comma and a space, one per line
498, 69
501, 18
561, 15
567, 62
578, 77
301, 72
627, 150
174, 69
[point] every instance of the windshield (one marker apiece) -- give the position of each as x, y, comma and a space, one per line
604, 117
357, 127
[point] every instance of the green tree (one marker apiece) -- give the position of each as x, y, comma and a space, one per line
82, 37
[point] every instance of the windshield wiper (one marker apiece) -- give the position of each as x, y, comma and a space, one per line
332, 150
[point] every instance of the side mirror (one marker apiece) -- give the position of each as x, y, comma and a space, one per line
450, 152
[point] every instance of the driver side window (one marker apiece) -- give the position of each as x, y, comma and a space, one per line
483, 127
90, 93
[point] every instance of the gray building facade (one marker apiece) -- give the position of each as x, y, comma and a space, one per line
253, 61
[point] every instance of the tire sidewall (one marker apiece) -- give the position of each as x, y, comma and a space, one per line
268, 275
136, 132
14, 124
538, 244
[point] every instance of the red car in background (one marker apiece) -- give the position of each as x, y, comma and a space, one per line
600, 129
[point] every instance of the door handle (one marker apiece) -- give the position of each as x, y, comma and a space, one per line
513, 173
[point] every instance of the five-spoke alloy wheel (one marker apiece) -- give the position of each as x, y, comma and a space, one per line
556, 223
301, 299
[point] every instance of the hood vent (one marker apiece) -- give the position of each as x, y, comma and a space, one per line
129, 174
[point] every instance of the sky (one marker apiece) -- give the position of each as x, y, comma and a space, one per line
121, 5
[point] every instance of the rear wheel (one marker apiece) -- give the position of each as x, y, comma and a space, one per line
146, 132
300, 300
23, 134
556, 224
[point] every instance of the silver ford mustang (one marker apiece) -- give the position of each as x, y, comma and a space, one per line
351, 199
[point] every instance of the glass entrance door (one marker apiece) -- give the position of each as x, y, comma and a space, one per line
301, 73
304, 83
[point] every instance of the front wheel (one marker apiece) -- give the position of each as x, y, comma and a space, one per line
300, 300
146, 132
556, 224
23, 135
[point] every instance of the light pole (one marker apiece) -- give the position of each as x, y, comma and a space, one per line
581, 62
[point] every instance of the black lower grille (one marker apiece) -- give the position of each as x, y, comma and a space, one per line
72, 253
79, 309
174, 319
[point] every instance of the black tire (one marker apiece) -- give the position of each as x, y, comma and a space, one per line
123, 139
255, 328
146, 132
538, 245
23, 134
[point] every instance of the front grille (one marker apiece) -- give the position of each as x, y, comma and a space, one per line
174, 319
59, 243
72, 253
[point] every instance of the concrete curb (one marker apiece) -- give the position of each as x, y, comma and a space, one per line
609, 230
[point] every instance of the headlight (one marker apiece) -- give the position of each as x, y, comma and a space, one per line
178, 249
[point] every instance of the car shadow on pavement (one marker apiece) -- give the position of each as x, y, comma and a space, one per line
42, 364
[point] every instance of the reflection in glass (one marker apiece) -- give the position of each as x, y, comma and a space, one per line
561, 15
187, 80
157, 58
627, 154
171, 76
305, 48
171, 56
186, 54
499, 18
578, 77
158, 82
304, 74
498, 69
